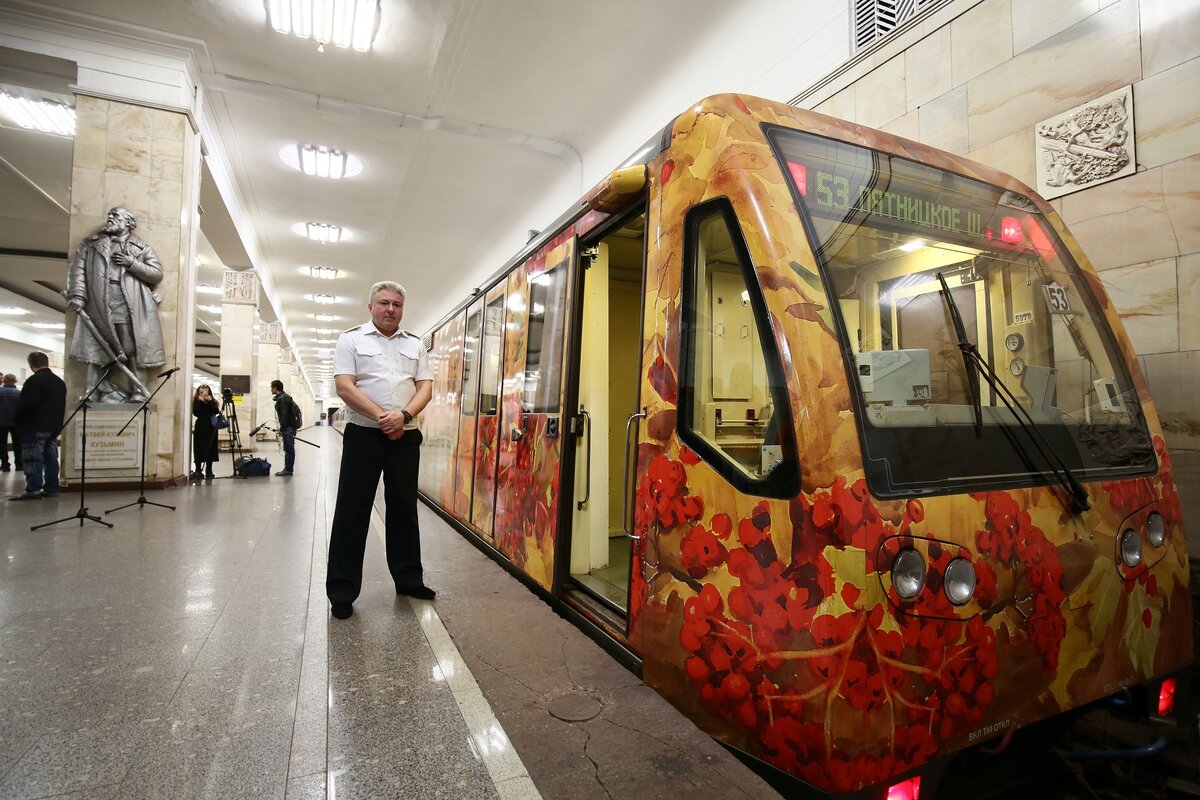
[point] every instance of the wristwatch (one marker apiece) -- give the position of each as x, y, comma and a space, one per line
407, 416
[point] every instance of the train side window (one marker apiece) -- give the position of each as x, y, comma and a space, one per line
543, 362
733, 408
493, 343
474, 335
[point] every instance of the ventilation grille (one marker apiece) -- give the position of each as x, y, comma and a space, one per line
427, 340
875, 19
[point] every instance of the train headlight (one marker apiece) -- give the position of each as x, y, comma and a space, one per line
959, 581
1156, 529
1131, 548
908, 573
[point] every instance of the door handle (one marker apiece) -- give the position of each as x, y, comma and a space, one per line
517, 434
625, 483
587, 465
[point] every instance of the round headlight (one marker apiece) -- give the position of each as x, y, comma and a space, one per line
1156, 529
1131, 548
959, 581
908, 573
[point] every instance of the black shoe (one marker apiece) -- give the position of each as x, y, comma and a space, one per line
209, 476
50, 494
341, 610
284, 472
420, 591
5, 468
28, 496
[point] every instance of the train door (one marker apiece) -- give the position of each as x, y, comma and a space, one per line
466, 426
609, 363
487, 428
531, 421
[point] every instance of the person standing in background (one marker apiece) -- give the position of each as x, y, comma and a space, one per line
204, 435
9, 394
40, 411
288, 414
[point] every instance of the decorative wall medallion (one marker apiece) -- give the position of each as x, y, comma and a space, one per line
240, 288
1086, 146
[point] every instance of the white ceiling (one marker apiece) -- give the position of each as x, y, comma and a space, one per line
439, 195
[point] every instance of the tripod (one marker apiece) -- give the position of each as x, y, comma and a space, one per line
235, 440
82, 514
144, 411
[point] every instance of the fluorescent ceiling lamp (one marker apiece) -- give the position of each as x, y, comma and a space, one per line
39, 115
323, 299
325, 331
208, 288
210, 309
342, 23
914, 245
325, 317
320, 160
57, 326
321, 232
322, 273
12, 311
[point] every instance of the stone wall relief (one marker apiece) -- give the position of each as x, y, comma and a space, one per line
1086, 146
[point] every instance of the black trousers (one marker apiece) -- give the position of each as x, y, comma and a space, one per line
367, 452
7, 433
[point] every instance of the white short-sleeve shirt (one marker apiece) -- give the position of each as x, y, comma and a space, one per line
385, 368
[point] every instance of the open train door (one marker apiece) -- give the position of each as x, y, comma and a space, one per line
530, 445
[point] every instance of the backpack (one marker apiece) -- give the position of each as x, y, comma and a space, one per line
249, 467
297, 417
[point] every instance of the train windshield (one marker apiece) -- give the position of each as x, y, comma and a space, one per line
887, 231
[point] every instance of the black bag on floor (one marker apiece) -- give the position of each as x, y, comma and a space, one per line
249, 467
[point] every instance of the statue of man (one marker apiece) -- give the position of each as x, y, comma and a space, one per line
110, 285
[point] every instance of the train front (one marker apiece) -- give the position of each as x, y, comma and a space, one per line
987, 532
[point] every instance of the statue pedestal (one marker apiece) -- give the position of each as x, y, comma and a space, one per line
113, 461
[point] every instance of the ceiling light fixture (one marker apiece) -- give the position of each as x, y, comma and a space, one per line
322, 273
325, 331
326, 317
12, 311
210, 309
320, 160
57, 326
321, 232
208, 288
41, 115
323, 299
342, 23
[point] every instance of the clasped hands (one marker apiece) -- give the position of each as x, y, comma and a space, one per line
392, 424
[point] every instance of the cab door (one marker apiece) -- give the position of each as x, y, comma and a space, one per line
487, 434
531, 428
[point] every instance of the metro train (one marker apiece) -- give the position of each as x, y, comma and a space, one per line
835, 436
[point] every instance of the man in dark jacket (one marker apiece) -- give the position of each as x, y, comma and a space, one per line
288, 414
40, 411
9, 393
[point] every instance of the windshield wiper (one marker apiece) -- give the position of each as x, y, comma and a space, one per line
974, 361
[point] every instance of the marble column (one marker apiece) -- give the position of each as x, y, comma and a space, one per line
146, 160
239, 321
267, 370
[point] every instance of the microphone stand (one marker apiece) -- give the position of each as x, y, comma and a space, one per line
267, 427
82, 514
144, 411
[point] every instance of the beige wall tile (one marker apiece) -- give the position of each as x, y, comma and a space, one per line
841, 105
1092, 58
942, 122
1147, 297
905, 126
87, 192
165, 241
1036, 20
91, 111
880, 96
1170, 33
927, 69
1166, 109
130, 191
126, 117
1013, 154
166, 160
166, 201
1188, 267
1181, 192
90, 144
980, 39
168, 125
1122, 222
1174, 380
128, 152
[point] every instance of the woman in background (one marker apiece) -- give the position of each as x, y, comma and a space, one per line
204, 435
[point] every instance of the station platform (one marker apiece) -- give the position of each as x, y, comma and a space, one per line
191, 653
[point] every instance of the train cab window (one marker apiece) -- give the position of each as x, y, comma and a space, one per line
470, 387
733, 404
543, 363
492, 349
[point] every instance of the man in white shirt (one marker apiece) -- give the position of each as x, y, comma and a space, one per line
382, 373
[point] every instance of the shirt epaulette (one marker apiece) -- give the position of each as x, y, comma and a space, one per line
352, 328
412, 335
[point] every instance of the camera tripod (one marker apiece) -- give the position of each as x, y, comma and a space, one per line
144, 411
229, 409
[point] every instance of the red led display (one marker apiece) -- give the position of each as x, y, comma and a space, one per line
1166, 697
1010, 230
800, 176
905, 790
